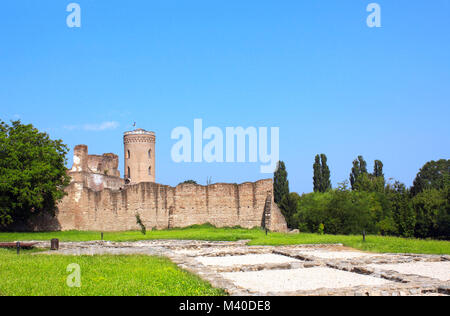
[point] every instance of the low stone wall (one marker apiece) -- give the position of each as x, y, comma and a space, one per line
223, 205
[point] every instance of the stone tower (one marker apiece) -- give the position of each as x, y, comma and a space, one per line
139, 156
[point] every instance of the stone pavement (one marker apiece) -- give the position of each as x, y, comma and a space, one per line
290, 270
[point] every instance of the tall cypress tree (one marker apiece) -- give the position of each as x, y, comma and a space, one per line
359, 168
317, 179
325, 175
280, 183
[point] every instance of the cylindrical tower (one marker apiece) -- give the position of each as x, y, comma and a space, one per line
139, 156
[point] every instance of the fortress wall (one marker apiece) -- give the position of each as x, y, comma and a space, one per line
105, 164
162, 207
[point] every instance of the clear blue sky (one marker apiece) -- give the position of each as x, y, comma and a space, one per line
312, 68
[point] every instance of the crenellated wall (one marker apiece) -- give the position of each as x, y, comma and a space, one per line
99, 200
162, 207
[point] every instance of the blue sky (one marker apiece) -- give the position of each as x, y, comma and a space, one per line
312, 68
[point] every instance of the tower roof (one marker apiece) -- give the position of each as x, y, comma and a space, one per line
139, 131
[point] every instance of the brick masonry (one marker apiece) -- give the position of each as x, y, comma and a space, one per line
99, 200
223, 205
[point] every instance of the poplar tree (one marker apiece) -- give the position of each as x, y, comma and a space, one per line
322, 182
359, 168
325, 174
317, 179
378, 169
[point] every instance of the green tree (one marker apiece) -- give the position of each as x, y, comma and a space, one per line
431, 208
325, 178
359, 168
402, 211
317, 178
32, 172
433, 175
341, 211
378, 169
280, 182
367, 182
189, 182
322, 182
443, 220
288, 207
361, 180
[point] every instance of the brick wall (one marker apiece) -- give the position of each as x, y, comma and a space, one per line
223, 205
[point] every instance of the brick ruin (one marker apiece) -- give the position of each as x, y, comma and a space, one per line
98, 199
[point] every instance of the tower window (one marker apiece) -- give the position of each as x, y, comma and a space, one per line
129, 172
128, 154
149, 171
150, 154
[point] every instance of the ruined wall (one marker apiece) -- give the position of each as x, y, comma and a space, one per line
223, 205
106, 164
99, 200
97, 172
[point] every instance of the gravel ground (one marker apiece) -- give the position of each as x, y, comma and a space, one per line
436, 270
244, 260
300, 279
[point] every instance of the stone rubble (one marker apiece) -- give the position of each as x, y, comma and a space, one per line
342, 271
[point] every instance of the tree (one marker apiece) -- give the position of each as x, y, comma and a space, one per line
189, 182
359, 168
32, 172
288, 207
322, 182
378, 169
325, 178
317, 178
402, 210
340, 211
280, 182
430, 205
433, 175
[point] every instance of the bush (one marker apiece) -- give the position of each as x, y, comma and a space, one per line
340, 211
321, 229
141, 224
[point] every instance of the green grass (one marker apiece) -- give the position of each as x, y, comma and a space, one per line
31, 274
256, 237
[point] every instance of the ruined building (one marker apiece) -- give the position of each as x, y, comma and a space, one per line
98, 199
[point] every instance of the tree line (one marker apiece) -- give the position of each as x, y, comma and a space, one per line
367, 202
33, 177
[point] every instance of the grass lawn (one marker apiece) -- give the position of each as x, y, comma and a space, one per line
256, 237
34, 274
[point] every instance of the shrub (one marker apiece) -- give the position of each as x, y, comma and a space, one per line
321, 230
141, 224
340, 211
